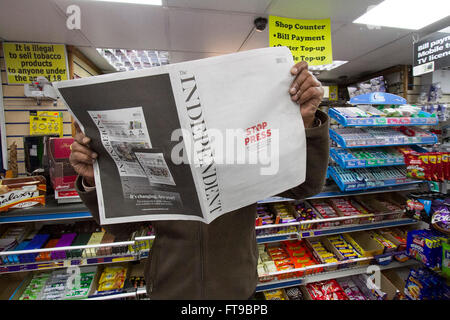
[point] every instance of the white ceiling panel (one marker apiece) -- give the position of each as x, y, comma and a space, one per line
398, 52
175, 57
118, 25
36, 21
395, 53
206, 31
247, 6
354, 40
337, 10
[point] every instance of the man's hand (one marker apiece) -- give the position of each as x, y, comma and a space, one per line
307, 91
82, 157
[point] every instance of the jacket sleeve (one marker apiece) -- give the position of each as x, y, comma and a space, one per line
90, 200
317, 153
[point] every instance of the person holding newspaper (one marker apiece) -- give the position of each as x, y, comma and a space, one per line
194, 260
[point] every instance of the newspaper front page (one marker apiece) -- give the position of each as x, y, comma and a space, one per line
192, 140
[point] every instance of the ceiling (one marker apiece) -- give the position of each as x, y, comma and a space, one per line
194, 29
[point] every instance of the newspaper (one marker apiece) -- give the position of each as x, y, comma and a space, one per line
192, 140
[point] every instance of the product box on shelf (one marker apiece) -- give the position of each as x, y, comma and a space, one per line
386, 291
18, 193
364, 244
367, 157
276, 215
62, 174
431, 166
446, 259
343, 250
345, 208
54, 285
287, 255
324, 290
326, 211
323, 252
425, 246
398, 238
96, 238
398, 282
110, 279
423, 284
376, 137
388, 245
367, 115
351, 289
278, 294
381, 206
307, 213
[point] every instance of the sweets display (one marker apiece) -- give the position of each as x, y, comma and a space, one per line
294, 293
425, 246
326, 290
373, 137
55, 285
383, 207
343, 247
22, 192
278, 214
321, 253
388, 245
283, 214
345, 208
368, 157
352, 291
368, 178
66, 235
382, 115
305, 214
112, 278
423, 284
425, 205
287, 255
431, 166
279, 294
34, 288
326, 211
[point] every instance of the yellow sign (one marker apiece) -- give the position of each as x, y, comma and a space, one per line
308, 40
46, 123
26, 61
333, 93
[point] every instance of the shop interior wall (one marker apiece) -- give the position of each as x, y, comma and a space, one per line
17, 107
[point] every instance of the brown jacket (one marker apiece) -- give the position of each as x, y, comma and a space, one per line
193, 260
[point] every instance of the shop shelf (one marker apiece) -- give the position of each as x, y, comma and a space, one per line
346, 160
369, 158
51, 212
132, 294
368, 138
277, 237
356, 227
333, 191
381, 121
340, 273
378, 98
79, 261
364, 184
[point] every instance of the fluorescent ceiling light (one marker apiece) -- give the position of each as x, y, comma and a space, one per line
149, 2
327, 67
129, 60
406, 14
